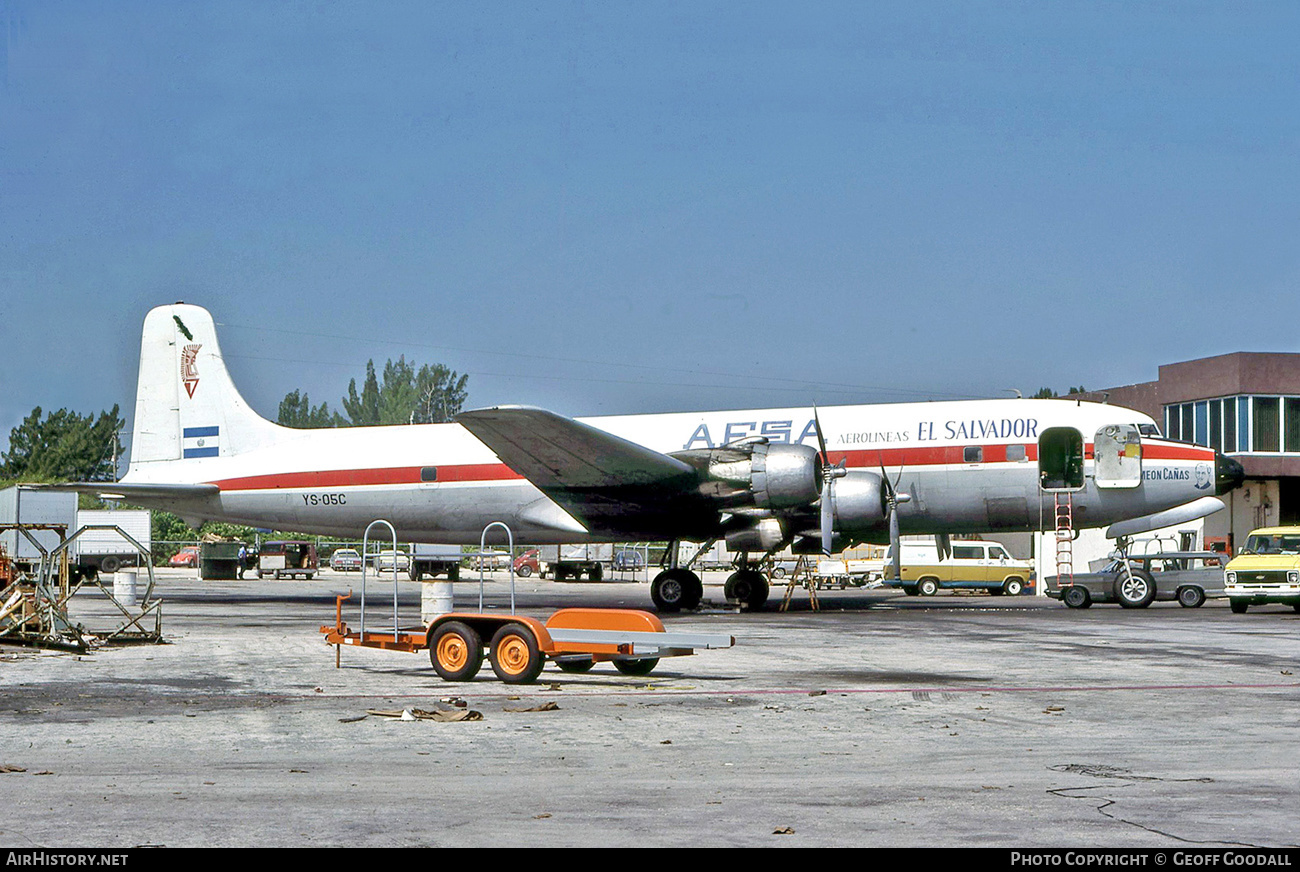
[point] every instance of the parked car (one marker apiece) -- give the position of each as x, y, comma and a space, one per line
974, 564
628, 560
528, 563
345, 560
1190, 577
384, 560
1266, 570
187, 556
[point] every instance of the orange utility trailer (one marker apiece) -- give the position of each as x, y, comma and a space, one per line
518, 646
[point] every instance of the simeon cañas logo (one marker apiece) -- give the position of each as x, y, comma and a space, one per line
189, 372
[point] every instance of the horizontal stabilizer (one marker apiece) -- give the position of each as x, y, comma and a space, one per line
116, 490
1192, 511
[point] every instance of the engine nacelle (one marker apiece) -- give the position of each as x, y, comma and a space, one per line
764, 536
785, 476
860, 504
758, 474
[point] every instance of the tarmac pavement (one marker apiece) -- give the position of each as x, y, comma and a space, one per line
880, 720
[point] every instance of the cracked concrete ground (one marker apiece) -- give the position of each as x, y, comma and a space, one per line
882, 720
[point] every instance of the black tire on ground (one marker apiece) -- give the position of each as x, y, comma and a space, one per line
927, 586
748, 586
576, 665
1238, 606
642, 666
1135, 590
1076, 597
675, 589
1013, 586
524, 571
1191, 597
456, 651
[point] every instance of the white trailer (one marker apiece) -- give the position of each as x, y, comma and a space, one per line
435, 560
562, 562
104, 549
33, 506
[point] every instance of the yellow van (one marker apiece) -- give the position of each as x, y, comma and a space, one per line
1266, 570
974, 565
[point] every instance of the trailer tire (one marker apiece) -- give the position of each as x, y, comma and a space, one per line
640, 666
456, 651
110, 564
576, 665
514, 654
596, 572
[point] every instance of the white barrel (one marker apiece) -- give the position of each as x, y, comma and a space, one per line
435, 599
124, 582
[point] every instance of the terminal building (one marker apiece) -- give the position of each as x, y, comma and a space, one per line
1245, 404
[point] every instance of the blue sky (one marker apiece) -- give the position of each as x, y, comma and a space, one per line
622, 207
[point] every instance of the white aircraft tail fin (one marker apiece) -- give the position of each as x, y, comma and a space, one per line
186, 406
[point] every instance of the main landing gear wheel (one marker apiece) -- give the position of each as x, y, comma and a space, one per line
514, 654
1077, 597
676, 589
1135, 590
748, 586
456, 651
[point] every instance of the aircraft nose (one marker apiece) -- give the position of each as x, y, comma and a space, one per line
1228, 474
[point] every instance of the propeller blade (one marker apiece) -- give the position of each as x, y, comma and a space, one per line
895, 543
828, 515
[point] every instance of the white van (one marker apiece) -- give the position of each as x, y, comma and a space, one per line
975, 564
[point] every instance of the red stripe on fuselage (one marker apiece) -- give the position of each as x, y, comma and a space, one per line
871, 459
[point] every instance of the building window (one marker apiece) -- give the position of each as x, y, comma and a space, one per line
1230, 424
1267, 431
1291, 419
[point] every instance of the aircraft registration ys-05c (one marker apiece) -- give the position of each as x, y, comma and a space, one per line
819, 479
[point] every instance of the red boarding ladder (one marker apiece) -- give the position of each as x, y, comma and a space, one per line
1064, 539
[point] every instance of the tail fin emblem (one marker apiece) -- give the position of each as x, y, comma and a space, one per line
189, 372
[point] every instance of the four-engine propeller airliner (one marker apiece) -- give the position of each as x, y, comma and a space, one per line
819, 479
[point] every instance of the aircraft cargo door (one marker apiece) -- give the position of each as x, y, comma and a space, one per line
1117, 449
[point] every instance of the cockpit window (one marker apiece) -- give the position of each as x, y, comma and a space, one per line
1149, 430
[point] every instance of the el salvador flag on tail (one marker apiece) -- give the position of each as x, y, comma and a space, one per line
199, 442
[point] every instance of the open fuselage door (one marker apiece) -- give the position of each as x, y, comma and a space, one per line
1117, 450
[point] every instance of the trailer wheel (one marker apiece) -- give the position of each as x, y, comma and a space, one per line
640, 666
596, 572
576, 664
514, 654
456, 651
110, 564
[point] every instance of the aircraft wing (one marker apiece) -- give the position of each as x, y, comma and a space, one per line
609, 484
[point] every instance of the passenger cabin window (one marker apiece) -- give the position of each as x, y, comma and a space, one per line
429, 473
973, 454
1060, 459
1016, 453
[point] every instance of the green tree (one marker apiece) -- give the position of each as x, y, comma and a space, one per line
64, 446
430, 395
296, 411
